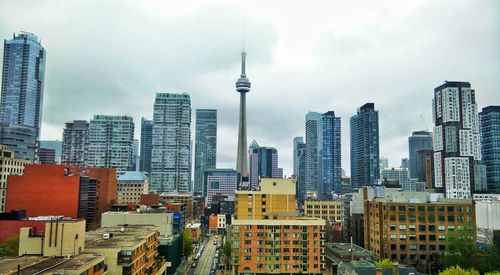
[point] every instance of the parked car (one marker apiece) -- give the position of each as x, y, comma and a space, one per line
193, 265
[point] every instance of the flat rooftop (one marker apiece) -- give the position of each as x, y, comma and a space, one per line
344, 249
131, 236
34, 264
295, 221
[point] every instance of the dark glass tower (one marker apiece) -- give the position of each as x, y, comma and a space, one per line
418, 140
489, 120
205, 150
365, 146
22, 90
146, 145
329, 155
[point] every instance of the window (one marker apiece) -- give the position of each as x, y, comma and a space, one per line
402, 208
402, 236
402, 227
412, 247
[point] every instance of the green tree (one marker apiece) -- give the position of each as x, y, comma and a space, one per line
10, 247
457, 270
462, 250
227, 253
187, 244
385, 263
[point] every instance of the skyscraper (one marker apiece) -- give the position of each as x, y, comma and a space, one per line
365, 146
263, 163
56, 145
490, 145
205, 151
417, 140
75, 143
296, 142
329, 155
146, 145
22, 91
423, 156
311, 177
111, 141
170, 160
135, 155
456, 138
301, 174
243, 87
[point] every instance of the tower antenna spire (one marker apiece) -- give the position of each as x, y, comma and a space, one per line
243, 51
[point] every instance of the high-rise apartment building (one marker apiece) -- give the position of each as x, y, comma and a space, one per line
263, 163
22, 92
411, 230
395, 177
456, 140
296, 142
170, 160
418, 140
75, 143
311, 177
111, 140
301, 173
329, 155
146, 145
9, 165
365, 146
205, 151
490, 145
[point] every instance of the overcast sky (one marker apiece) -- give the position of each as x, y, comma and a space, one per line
111, 57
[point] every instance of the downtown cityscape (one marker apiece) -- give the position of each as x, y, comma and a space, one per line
249, 138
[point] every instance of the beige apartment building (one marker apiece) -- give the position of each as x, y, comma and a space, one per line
326, 210
9, 165
130, 186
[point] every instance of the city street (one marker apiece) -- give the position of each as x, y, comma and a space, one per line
206, 260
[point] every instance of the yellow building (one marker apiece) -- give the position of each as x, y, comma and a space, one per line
62, 238
326, 210
275, 200
131, 249
130, 186
9, 165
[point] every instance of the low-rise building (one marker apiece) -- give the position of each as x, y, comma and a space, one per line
163, 220
327, 210
9, 165
130, 187
182, 198
194, 230
131, 249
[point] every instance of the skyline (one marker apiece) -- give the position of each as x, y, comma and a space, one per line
279, 64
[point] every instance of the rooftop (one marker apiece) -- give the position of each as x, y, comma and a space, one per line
48, 265
344, 249
133, 176
295, 221
273, 186
123, 237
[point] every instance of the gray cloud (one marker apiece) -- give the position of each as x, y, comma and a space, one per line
105, 57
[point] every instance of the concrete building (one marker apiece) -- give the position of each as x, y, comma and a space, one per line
55, 145
417, 141
263, 163
23, 81
221, 182
365, 160
243, 87
327, 210
488, 214
456, 140
185, 199
146, 145
162, 220
329, 155
311, 171
408, 230
9, 165
205, 152
490, 145
111, 140
75, 143
293, 246
275, 200
171, 155
131, 249
61, 238
130, 187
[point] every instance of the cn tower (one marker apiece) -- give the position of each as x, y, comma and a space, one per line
242, 87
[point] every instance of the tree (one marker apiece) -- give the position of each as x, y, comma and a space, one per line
462, 250
10, 247
187, 244
457, 270
227, 252
385, 263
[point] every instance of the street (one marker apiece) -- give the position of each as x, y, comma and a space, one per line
206, 260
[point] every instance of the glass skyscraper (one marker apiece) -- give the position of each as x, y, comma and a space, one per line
311, 177
365, 161
111, 142
22, 92
171, 154
329, 155
489, 120
301, 173
263, 163
418, 140
205, 150
146, 145
296, 142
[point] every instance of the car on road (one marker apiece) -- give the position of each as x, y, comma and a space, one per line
194, 264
